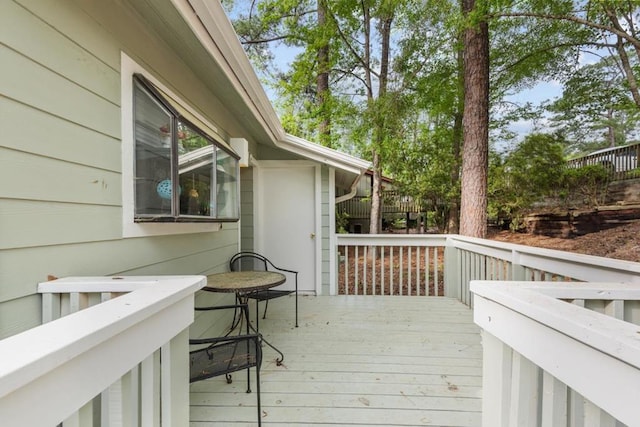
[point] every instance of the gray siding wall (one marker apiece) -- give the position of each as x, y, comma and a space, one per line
246, 209
326, 236
60, 152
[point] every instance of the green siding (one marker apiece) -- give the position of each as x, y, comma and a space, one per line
326, 237
56, 139
246, 209
60, 154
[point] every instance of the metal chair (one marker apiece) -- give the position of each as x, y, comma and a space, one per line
227, 354
252, 261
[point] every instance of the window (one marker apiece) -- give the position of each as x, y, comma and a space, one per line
181, 173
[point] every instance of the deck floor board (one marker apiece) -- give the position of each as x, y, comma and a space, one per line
357, 361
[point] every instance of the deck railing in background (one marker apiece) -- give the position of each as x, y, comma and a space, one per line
113, 352
390, 264
621, 161
558, 354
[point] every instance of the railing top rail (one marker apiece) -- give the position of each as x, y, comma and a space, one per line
391, 239
629, 267
594, 354
492, 247
535, 300
35, 352
101, 284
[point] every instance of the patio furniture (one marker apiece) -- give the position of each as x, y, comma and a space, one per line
227, 354
252, 261
244, 284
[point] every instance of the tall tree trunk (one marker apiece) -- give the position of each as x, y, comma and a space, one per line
611, 131
378, 132
453, 223
628, 71
322, 83
475, 126
611, 11
376, 206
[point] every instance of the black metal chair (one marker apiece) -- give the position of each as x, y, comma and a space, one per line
252, 261
227, 354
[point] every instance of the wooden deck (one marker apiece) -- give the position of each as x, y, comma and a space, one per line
358, 361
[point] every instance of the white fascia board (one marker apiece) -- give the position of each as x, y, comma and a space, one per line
210, 24
322, 154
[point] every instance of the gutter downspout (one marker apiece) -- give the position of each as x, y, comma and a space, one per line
354, 189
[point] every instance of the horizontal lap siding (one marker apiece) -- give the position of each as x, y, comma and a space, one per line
60, 153
246, 209
326, 231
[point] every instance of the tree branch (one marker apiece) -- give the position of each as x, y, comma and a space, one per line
556, 46
569, 18
350, 47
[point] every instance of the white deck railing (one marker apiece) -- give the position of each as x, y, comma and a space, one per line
559, 354
390, 264
446, 264
101, 360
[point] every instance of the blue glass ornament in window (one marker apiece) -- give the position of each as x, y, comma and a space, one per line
164, 189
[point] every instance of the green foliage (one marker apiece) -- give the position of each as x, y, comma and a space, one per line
589, 181
536, 172
596, 109
533, 171
342, 221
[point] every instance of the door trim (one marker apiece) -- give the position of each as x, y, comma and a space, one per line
258, 199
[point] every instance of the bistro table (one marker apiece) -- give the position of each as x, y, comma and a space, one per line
243, 283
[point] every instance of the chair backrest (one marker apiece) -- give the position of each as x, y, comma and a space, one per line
248, 261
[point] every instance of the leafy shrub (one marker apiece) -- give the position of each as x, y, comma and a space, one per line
589, 181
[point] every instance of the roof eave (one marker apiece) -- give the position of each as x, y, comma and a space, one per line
323, 154
210, 24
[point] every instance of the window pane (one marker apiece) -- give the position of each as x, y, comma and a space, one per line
227, 185
195, 161
152, 155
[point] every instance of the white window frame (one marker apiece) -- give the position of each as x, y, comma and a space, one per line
130, 228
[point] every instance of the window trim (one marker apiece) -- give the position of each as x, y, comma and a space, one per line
167, 225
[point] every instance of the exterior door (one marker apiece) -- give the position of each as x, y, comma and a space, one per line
287, 219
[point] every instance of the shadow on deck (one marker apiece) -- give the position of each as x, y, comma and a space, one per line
358, 360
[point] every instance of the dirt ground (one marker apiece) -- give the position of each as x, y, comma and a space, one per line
622, 242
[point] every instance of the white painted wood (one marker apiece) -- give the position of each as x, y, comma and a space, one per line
130, 394
496, 374
149, 391
554, 402
583, 349
358, 361
288, 232
54, 372
391, 239
596, 417
576, 409
175, 391
524, 392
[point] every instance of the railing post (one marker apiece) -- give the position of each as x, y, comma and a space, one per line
175, 380
496, 381
452, 279
518, 272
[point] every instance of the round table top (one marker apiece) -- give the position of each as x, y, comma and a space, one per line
243, 281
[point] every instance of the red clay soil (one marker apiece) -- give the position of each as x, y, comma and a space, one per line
622, 242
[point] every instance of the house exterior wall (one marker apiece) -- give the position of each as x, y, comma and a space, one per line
326, 231
60, 151
246, 209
